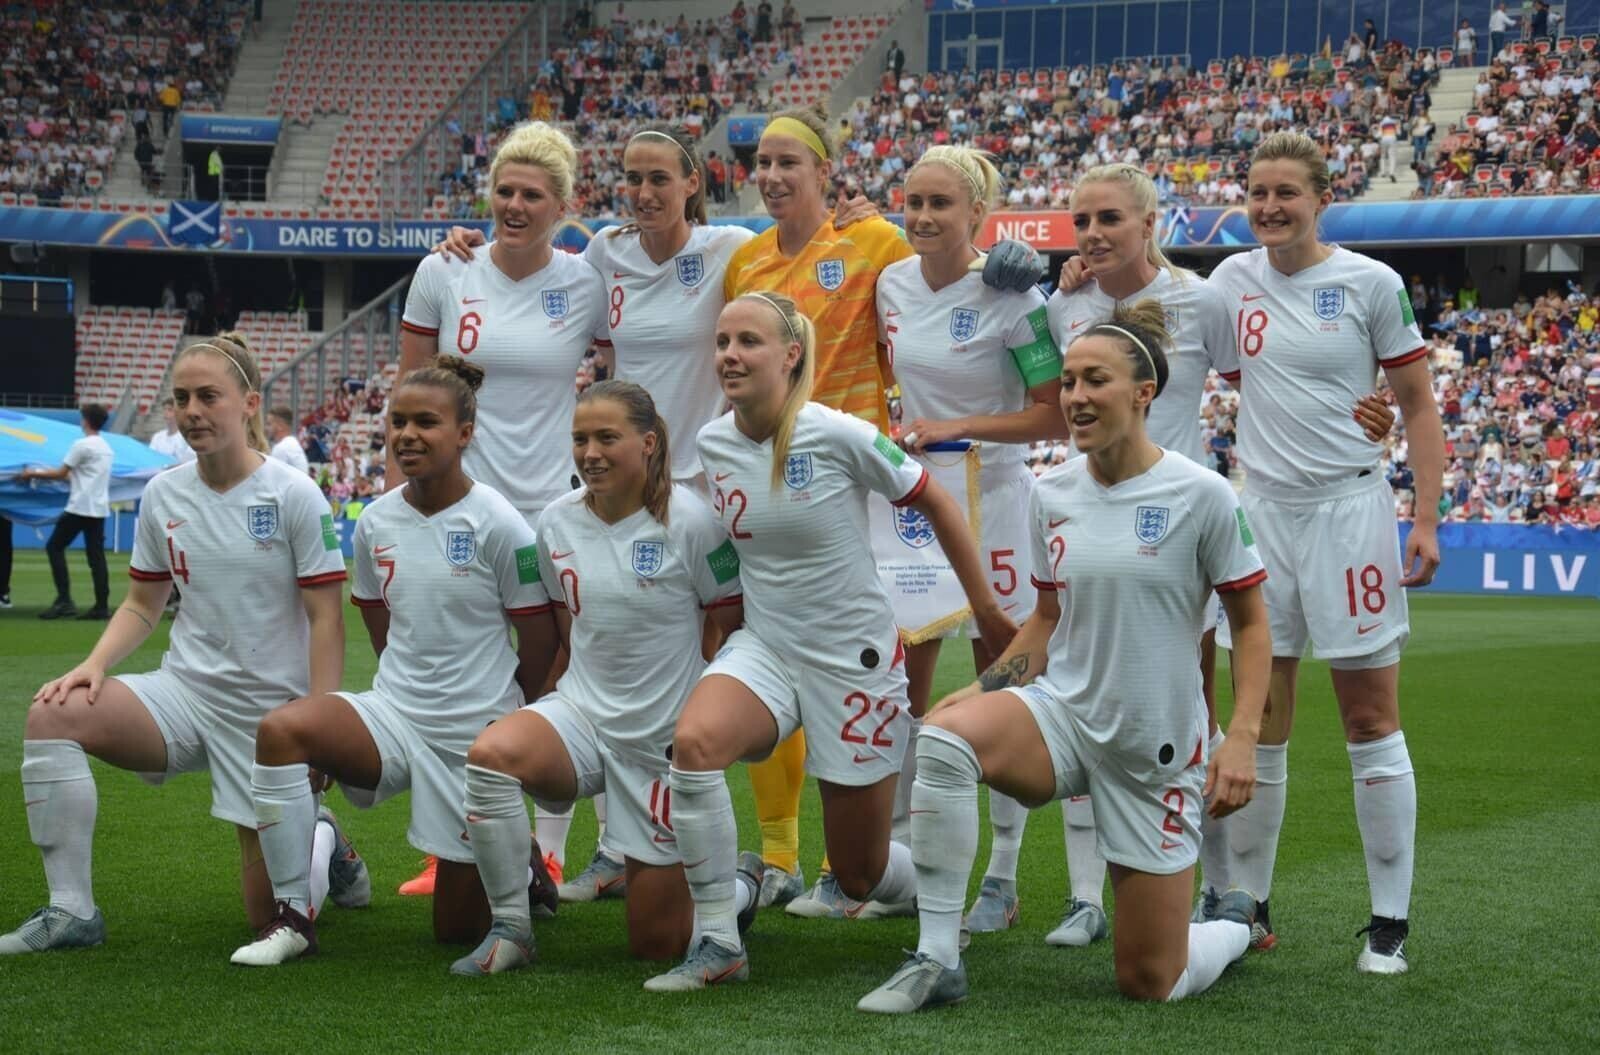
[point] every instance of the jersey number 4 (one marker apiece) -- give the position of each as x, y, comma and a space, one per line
177, 560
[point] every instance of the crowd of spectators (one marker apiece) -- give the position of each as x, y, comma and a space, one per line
1531, 128
79, 77
347, 469
615, 75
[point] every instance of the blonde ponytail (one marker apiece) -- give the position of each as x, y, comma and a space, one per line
1146, 202
796, 328
235, 349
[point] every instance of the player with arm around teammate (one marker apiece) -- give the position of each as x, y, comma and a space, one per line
1114, 210
523, 311
443, 566
819, 647
1314, 324
260, 563
1127, 545
973, 363
631, 551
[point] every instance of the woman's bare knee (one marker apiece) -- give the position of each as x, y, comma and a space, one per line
697, 746
1145, 980
284, 735
494, 749
53, 721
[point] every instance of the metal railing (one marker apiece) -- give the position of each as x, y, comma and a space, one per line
307, 375
409, 181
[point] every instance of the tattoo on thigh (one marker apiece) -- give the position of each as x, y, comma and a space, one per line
1004, 673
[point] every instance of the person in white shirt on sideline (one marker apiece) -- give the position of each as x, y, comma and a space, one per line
285, 443
169, 440
87, 470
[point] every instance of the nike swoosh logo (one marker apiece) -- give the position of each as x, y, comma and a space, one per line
378, 551
1054, 523
1167, 844
1367, 629
719, 477
665, 838
713, 979
890, 314
30, 804
173, 525
608, 884
1382, 780
557, 555
915, 812
620, 274
695, 864
264, 827
864, 758
474, 300
1075, 325
1248, 297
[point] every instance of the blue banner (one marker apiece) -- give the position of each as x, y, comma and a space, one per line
745, 131
1435, 222
30, 442
194, 222
224, 128
1516, 560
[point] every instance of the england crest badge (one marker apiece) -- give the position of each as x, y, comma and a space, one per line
1150, 524
830, 273
647, 558
555, 303
914, 529
691, 268
261, 521
460, 547
797, 471
1328, 302
963, 323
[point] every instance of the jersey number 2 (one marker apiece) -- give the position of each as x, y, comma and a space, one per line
724, 502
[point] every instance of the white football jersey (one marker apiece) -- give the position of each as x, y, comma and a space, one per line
811, 590
966, 349
635, 591
529, 337
1134, 566
1202, 341
289, 452
240, 558
661, 321
173, 445
89, 482
1310, 345
449, 582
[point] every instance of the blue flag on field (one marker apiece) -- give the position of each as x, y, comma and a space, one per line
194, 222
31, 442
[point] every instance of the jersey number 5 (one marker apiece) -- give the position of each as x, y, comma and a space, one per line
1250, 331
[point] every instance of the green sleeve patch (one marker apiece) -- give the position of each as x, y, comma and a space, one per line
1244, 528
330, 534
724, 562
1039, 360
1408, 316
528, 564
890, 450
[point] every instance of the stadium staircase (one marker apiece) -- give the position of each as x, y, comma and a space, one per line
1452, 98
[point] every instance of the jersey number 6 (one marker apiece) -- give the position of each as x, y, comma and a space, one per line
467, 333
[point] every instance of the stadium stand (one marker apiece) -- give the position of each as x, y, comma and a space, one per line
125, 349
83, 79
1531, 128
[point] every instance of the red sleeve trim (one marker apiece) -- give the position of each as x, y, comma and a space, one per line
725, 602
601, 341
362, 602
324, 577
915, 492
1041, 584
1409, 357
532, 609
148, 576
1245, 583
423, 330
558, 604
1232, 376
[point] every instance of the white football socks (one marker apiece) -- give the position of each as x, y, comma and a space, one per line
551, 830
1213, 837
497, 824
286, 818
944, 838
1212, 946
322, 844
1253, 831
1386, 813
602, 844
1007, 818
900, 823
1086, 869
708, 840
898, 884
59, 794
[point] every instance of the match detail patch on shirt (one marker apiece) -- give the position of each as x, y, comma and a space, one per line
724, 562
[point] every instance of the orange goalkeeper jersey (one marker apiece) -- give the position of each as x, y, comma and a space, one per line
833, 281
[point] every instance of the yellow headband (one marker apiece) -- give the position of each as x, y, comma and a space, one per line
788, 126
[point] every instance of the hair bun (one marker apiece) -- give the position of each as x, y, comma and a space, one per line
469, 372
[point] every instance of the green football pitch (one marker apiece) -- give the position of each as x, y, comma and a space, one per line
1501, 700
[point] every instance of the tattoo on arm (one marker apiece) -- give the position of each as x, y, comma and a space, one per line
1002, 674
140, 616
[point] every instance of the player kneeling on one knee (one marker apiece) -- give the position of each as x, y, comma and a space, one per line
819, 648
633, 563
1101, 693
443, 567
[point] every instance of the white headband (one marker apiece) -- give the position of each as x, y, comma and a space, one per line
1148, 358
248, 387
978, 195
681, 148
793, 336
